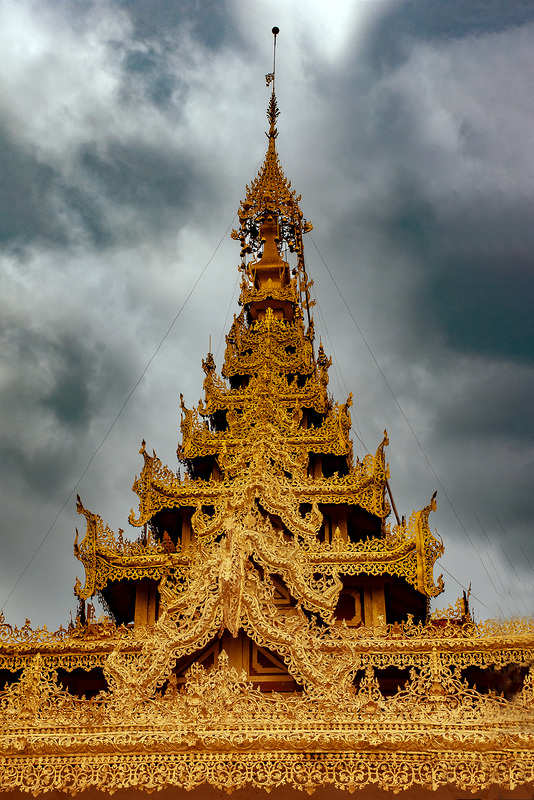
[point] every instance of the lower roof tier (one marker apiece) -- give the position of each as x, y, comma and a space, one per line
277, 475
311, 568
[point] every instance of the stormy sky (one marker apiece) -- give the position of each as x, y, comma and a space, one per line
128, 131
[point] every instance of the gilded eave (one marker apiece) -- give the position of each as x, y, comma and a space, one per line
276, 343
108, 558
286, 391
141, 732
159, 488
409, 551
331, 437
459, 644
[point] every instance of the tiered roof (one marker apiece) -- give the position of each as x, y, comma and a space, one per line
268, 437
267, 562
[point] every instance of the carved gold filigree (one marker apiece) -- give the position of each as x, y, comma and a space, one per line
265, 475
280, 344
391, 771
107, 558
269, 291
349, 738
159, 488
256, 525
10, 634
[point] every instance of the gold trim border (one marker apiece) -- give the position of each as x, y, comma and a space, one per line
391, 771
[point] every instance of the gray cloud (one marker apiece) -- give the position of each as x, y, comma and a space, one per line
129, 133
391, 39
212, 26
62, 380
156, 182
37, 204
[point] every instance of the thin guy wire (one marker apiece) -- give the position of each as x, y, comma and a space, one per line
490, 558
226, 318
151, 359
528, 562
508, 559
398, 405
526, 557
507, 592
339, 375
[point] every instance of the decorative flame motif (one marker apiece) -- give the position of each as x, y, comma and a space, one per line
247, 558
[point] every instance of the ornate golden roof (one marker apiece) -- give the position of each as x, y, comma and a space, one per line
342, 730
272, 438
270, 628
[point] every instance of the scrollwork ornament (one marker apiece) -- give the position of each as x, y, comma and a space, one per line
270, 521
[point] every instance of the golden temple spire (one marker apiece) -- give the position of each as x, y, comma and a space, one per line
272, 112
271, 223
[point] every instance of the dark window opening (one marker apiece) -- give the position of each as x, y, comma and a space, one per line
314, 465
83, 683
170, 521
314, 419
219, 422
296, 378
201, 467
391, 679
333, 464
361, 524
8, 677
326, 531
119, 597
507, 681
350, 605
239, 381
403, 599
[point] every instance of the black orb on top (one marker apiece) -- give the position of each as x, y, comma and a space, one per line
276, 30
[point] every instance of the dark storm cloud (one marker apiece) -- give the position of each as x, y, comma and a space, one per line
160, 28
150, 70
498, 402
155, 181
475, 265
404, 22
46, 472
74, 377
481, 298
468, 240
38, 205
211, 22
128, 130
79, 196
67, 381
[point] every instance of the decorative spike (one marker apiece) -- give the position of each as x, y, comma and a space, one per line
271, 222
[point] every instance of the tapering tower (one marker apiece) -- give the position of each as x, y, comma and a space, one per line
269, 627
271, 496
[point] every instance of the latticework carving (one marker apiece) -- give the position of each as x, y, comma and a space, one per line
220, 730
269, 554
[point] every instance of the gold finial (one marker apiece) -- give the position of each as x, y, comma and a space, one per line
269, 78
270, 194
271, 222
272, 111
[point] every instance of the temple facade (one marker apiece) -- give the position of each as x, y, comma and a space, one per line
270, 627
